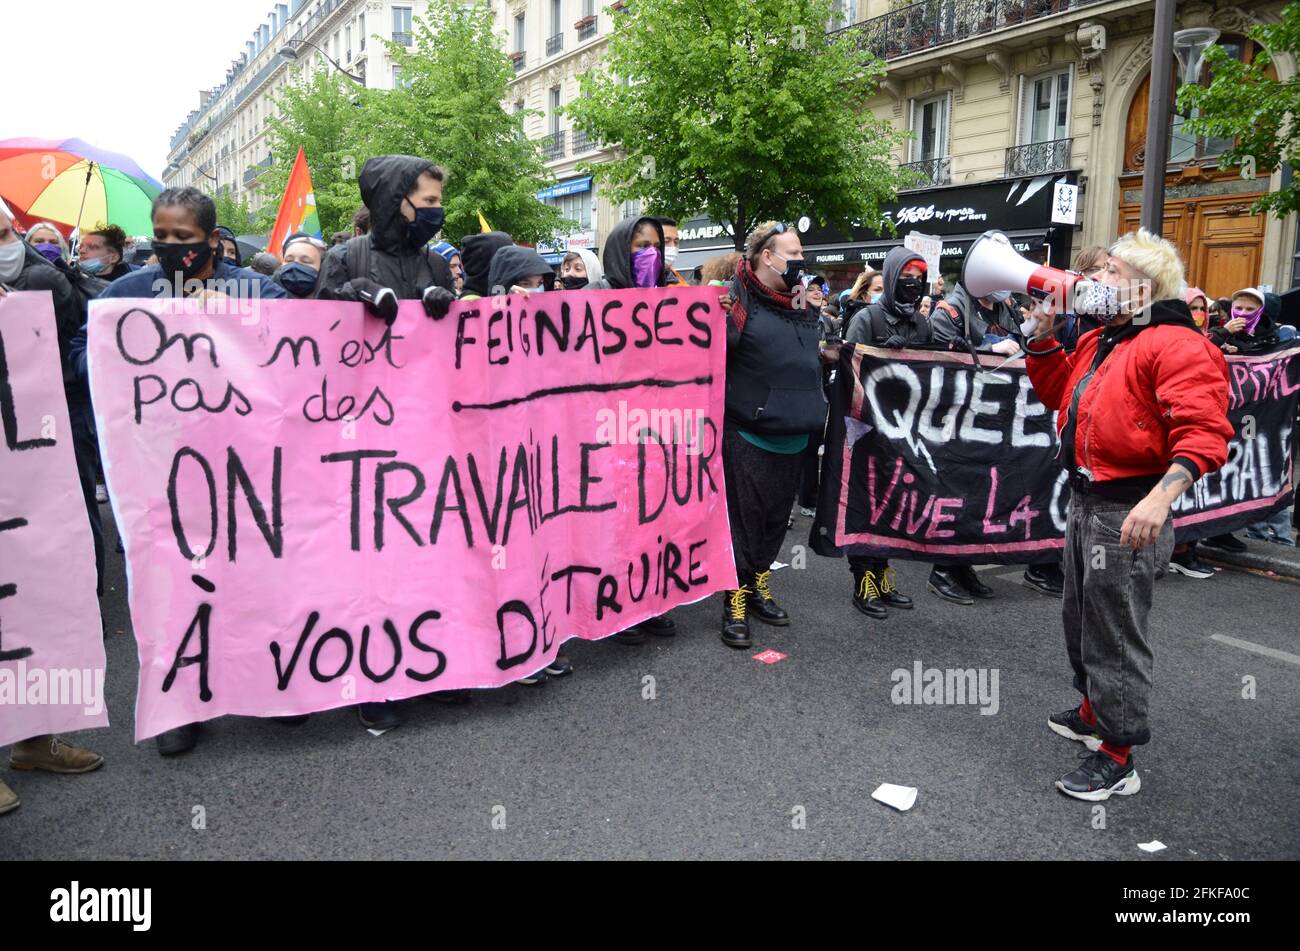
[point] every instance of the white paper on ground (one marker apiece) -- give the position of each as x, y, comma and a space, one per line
899, 797
376, 732
778, 565
1155, 845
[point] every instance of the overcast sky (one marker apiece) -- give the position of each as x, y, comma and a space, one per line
120, 76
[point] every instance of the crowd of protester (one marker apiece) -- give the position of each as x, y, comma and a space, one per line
785, 327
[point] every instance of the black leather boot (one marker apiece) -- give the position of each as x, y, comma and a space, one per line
945, 586
866, 595
969, 579
762, 605
735, 624
890, 594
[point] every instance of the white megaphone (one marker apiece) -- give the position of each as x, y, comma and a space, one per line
992, 265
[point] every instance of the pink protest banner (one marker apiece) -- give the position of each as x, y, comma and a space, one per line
319, 511
51, 642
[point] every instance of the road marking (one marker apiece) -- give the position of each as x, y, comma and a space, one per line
1256, 648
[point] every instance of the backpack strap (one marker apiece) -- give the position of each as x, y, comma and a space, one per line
358, 251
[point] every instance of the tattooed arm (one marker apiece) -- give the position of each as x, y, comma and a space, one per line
1144, 522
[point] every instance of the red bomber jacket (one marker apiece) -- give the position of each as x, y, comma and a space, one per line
1159, 396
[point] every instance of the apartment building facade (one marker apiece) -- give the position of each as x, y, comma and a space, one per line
223, 144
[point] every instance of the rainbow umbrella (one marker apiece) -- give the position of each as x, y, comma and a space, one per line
73, 183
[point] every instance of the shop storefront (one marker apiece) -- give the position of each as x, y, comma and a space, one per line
1025, 209
576, 201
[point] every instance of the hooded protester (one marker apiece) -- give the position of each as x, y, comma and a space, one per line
300, 274
1142, 408
633, 254
392, 263
1250, 328
774, 404
581, 270
229, 246
519, 270
451, 255
892, 321
987, 323
633, 257
477, 251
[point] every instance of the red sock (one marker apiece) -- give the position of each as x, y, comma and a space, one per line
1086, 712
1118, 753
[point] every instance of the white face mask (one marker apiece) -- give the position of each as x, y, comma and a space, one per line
670, 255
11, 260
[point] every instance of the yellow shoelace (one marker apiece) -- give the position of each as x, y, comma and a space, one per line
760, 585
887, 581
738, 602
868, 590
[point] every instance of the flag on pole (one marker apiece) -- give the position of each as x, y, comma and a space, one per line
483, 226
297, 208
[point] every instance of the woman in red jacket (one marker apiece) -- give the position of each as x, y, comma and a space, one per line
1143, 413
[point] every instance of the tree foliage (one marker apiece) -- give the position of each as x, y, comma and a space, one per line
1248, 105
743, 110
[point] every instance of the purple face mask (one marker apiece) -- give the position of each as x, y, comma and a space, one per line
1251, 317
647, 265
51, 252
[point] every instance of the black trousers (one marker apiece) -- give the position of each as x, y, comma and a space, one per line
810, 474
86, 449
760, 488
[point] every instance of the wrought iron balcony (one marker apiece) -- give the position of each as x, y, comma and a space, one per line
583, 142
553, 146
402, 39
587, 30
930, 172
932, 23
518, 58
1038, 158
554, 44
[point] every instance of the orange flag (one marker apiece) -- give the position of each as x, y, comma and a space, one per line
297, 208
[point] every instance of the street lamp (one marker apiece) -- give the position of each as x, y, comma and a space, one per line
290, 52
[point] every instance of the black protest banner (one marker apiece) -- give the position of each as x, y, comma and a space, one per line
928, 457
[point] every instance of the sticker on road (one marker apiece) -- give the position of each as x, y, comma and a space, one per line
1155, 845
769, 657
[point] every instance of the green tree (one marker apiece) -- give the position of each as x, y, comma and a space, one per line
235, 214
325, 115
448, 109
744, 110
1246, 104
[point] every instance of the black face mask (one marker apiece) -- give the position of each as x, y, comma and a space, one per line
298, 279
909, 290
185, 259
790, 276
574, 283
425, 227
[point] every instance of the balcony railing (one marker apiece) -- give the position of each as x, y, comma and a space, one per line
587, 30
932, 23
553, 146
1038, 158
518, 58
583, 142
554, 44
402, 39
930, 172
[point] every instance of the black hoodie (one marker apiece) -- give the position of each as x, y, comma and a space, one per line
616, 257
394, 260
879, 322
510, 265
476, 252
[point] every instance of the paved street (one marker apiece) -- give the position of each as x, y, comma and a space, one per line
718, 763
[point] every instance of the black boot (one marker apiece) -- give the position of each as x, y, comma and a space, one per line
1045, 578
180, 740
945, 586
890, 594
866, 596
762, 606
969, 579
735, 625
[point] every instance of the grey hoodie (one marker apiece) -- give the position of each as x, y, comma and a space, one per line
948, 330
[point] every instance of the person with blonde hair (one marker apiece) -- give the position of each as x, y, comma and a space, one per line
1142, 406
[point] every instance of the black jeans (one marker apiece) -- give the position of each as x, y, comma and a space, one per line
86, 449
760, 489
